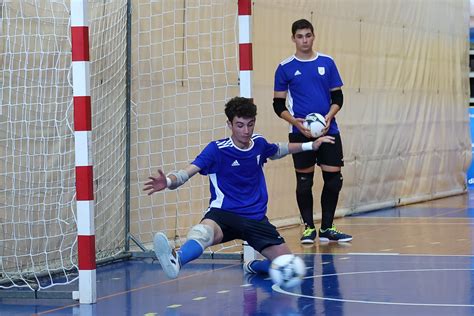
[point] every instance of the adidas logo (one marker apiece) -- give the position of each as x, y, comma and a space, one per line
235, 163
297, 73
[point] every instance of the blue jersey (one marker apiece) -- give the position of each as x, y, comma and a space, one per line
237, 182
309, 84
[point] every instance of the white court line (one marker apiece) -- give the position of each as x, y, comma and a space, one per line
374, 253
404, 224
276, 288
399, 254
381, 254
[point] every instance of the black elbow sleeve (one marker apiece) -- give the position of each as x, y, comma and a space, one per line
337, 97
279, 105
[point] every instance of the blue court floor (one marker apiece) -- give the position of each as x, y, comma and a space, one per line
412, 260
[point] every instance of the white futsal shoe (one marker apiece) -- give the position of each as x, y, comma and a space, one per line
247, 267
168, 257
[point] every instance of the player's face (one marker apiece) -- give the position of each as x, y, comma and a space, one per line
303, 40
242, 130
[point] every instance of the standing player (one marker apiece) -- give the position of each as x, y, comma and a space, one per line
239, 197
310, 82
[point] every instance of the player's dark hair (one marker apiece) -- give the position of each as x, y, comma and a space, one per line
240, 107
300, 25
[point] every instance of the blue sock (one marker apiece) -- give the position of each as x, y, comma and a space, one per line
261, 266
189, 251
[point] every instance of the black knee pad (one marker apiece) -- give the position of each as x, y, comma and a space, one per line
332, 181
304, 182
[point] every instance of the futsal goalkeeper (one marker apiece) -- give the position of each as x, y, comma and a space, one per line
239, 196
312, 83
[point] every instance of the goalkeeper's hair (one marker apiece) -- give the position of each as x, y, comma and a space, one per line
301, 25
240, 107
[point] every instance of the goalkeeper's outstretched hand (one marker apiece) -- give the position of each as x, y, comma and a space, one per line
156, 184
323, 139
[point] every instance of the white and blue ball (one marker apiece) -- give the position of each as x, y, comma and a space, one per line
287, 271
316, 123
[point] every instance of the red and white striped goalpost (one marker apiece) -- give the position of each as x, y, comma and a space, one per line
245, 73
245, 48
83, 152
83, 129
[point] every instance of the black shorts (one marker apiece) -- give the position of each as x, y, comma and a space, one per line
327, 154
258, 234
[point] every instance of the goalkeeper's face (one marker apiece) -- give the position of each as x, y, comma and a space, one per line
242, 130
303, 40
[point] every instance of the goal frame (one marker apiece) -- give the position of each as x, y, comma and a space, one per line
84, 154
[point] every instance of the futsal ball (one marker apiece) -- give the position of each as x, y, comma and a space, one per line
287, 270
316, 123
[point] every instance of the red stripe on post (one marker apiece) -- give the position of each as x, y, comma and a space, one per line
245, 7
84, 183
245, 56
82, 113
80, 43
86, 251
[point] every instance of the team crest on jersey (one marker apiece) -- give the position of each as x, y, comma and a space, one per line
321, 71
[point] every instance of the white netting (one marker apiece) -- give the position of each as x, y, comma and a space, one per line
185, 67
38, 235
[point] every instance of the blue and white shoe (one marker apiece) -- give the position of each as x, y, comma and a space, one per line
247, 268
166, 255
332, 234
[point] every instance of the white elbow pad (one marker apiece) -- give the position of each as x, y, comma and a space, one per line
282, 151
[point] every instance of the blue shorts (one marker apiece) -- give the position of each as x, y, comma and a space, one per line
259, 234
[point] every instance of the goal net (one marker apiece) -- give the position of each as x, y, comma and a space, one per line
38, 233
183, 68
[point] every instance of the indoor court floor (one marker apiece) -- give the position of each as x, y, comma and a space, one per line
410, 260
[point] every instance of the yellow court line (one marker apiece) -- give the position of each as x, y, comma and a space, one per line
137, 289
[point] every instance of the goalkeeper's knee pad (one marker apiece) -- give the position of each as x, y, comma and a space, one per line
304, 182
332, 181
203, 234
